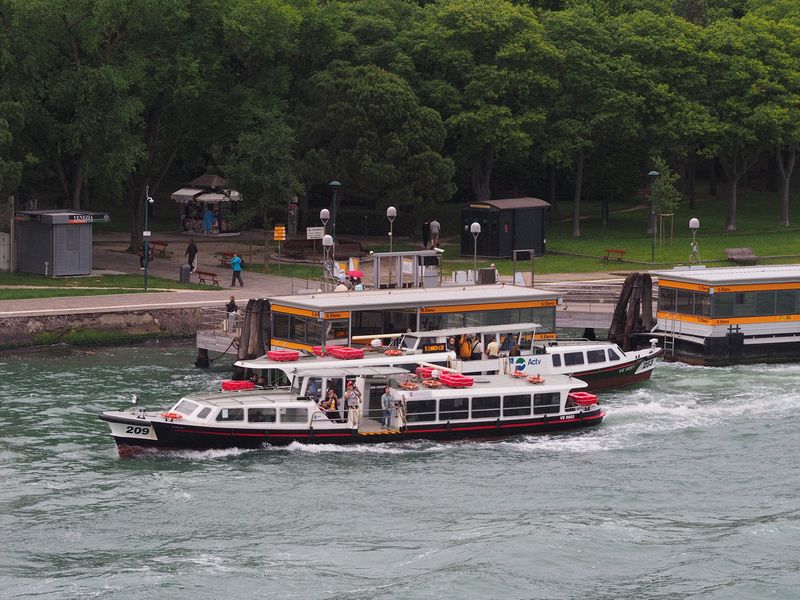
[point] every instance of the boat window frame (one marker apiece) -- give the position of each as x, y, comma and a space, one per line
413, 416
450, 413
263, 408
570, 356
185, 412
592, 356
284, 410
483, 412
546, 400
517, 410
229, 419
203, 413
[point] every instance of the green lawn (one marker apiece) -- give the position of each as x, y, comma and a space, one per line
38, 286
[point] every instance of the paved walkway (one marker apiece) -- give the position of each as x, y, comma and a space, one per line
109, 256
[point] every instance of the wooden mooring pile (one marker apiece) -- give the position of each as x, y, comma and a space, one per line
633, 313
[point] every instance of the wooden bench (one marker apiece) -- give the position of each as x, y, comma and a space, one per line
741, 256
614, 253
160, 247
224, 258
205, 276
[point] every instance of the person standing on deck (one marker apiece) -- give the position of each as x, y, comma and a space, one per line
435, 228
353, 396
387, 404
236, 268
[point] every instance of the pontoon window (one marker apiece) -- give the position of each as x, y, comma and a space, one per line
685, 302
612, 355
185, 407
765, 302
546, 403
294, 415
573, 358
723, 305
420, 410
261, 415
702, 304
336, 329
595, 356
517, 405
786, 302
280, 326
453, 408
485, 408
231, 414
744, 304
203, 413
666, 299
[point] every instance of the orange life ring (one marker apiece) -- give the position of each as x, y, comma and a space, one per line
431, 383
518, 374
393, 352
409, 385
172, 415
535, 379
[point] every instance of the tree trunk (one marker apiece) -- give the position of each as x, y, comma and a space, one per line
77, 182
576, 201
786, 161
712, 177
735, 167
551, 171
482, 174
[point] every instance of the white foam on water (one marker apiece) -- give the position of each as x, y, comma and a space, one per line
352, 448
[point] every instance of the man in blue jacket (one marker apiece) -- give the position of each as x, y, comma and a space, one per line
236, 267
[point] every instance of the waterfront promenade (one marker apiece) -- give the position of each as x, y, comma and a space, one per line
109, 256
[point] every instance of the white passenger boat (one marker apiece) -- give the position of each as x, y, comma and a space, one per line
426, 401
601, 364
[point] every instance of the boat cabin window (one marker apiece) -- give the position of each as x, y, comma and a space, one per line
186, 407
420, 410
314, 388
516, 405
337, 329
453, 408
294, 415
483, 408
595, 356
203, 412
549, 402
612, 355
573, 358
231, 414
556, 360
261, 415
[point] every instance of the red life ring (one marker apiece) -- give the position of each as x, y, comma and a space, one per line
431, 383
409, 385
393, 352
172, 416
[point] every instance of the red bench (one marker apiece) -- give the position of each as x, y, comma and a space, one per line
160, 247
614, 253
205, 276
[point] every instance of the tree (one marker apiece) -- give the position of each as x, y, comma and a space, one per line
666, 196
10, 170
483, 64
365, 127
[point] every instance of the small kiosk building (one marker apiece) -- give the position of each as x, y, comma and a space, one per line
55, 243
506, 225
206, 206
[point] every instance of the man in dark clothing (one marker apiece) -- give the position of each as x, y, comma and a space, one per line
191, 255
232, 310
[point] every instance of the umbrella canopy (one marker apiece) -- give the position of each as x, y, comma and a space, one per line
355, 274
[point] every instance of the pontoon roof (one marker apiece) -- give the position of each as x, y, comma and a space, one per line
387, 299
733, 275
351, 371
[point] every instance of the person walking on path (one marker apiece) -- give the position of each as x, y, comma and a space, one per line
236, 268
435, 227
191, 255
426, 234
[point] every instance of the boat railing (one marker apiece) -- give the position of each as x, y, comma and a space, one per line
218, 319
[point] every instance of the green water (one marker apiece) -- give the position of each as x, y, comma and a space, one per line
688, 490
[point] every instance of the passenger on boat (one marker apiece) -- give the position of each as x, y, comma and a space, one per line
464, 348
261, 382
387, 404
514, 350
353, 396
328, 405
451, 344
477, 348
493, 349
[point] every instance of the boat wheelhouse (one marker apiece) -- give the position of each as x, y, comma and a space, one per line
301, 322
730, 315
427, 405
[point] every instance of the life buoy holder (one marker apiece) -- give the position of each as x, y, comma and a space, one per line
172, 416
518, 374
535, 379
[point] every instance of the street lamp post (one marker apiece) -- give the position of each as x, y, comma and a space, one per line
475, 230
694, 225
653, 175
327, 244
334, 185
391, 213
146, 234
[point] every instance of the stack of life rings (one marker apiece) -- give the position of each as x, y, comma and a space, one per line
518, 374
535, 379
409, 385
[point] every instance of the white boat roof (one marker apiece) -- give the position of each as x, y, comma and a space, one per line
388, 298
505, 328
314, 363
353, 371
732, 275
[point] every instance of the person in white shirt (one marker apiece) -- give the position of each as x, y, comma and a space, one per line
435, 228
493, 349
